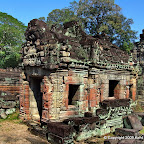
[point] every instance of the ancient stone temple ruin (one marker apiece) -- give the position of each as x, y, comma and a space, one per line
71, 76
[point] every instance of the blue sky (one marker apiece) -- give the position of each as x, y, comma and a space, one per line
26, 10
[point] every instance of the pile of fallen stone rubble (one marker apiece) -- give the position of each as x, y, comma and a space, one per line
113, 116
73, 128
9, 91
130, 134
8, 104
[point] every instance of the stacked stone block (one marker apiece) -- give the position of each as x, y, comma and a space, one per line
130, 133
138, 54
140, 90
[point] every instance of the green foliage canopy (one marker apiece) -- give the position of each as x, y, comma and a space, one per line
97, 17
58, 16
11, 39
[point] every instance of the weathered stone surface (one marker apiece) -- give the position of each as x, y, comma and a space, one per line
55, 139
138, 54
2, 110
10, 111
88, 114
141, 116
60, 129
72, 38
9, 97
126, 132
77, 121
101, 112
64, 54
111, 141
3, 115
115, 103
37, 130
9, 90
130, 141
9, 104
135, 122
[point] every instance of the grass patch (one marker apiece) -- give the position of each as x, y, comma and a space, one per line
1, 120
138, 108
142, 131
13, 117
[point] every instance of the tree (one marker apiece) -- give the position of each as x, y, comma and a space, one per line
9, 58
42, 19
104, 16
58, 16
97, 17
11, 39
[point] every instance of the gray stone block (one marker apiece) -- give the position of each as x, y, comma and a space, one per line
126, 132
1, 111
129, 141
10, 111
111, 141
3, 115
135, 122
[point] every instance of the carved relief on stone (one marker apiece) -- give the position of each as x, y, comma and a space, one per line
60, 97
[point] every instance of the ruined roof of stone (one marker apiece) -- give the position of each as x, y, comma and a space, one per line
108, 51
111, 52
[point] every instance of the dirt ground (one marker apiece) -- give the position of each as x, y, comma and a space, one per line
17, 133
13, 132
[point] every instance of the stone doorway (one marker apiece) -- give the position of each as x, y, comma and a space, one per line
36, 97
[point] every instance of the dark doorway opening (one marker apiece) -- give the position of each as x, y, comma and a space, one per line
35, 85
112, 88
74, 93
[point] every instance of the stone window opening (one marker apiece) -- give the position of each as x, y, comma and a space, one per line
74, 94
130, 91
113, 88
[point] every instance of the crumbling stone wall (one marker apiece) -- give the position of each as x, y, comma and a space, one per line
140, 87
138, 53
9, 91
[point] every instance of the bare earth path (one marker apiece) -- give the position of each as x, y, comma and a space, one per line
15, 133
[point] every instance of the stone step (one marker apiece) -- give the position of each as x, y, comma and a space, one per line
71, 107
126, 132
60, 129
36, 117
67, 114
37, 130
